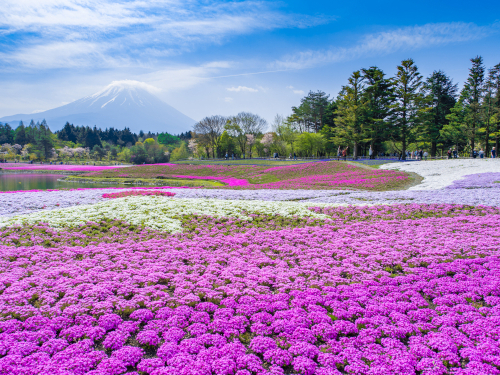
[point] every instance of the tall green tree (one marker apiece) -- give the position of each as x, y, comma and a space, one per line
6, 134
351, 113
312, 108
20, 137
409, 106
441, 94
379, 96
488, 108
43, 140
459, 121
492, 105
473, 89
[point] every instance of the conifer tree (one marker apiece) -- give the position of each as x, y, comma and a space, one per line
474, 89
441, 94
409, 106
379, 96
350, 113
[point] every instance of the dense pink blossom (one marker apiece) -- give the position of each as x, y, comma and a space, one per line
408, 289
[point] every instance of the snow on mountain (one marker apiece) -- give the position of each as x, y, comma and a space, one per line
121, 104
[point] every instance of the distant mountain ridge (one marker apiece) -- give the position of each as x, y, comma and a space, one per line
120, 104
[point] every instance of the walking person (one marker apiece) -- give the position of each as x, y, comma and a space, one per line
481, 154
421, 154
425, 155
455, 153
370, 152
449, 153
493, 153
344, 153
294, 156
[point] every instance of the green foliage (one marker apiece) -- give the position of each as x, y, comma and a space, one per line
378, 96
441, 98
149, 152
6, 134
352, 107
180, 152
408, 110
167, 139
309, 144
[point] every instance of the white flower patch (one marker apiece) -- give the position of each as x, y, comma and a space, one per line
439, 174
158, 212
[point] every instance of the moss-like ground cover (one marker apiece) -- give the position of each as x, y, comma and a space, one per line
146, 181
320, 175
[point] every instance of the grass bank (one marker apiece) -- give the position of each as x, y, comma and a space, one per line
143, 181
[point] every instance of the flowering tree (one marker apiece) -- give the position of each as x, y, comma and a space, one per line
193, 146
267, 140
250, 142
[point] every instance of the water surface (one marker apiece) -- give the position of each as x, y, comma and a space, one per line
42, 181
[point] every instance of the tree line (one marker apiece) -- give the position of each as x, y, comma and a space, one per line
386, 114
82, 143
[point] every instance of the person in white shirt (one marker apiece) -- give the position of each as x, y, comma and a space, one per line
425, 155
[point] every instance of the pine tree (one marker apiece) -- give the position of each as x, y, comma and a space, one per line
350, 113
409, 107
474, 88
495, 118
313, 106
379, 96
441, 95
488, 108
20, 137
43, 140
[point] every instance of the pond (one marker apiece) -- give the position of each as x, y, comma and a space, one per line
41, 181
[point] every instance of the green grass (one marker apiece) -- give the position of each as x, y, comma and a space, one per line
146, 181
288, 176
242, 162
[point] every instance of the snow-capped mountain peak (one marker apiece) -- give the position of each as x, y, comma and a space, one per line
121, 104
116, 87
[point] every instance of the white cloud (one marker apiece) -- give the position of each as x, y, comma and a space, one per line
180, 77
228, 99
406, 38
242, 89
106, 33
295, 91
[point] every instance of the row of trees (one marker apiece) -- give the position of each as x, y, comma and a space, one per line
82, 143
386, 114
393, 113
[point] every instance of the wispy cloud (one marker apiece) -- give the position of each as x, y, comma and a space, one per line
407, 38
242, 89
295, 91
93, 30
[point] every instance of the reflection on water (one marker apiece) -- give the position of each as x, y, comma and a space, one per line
42, 181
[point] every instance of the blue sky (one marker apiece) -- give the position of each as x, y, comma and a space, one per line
223, 57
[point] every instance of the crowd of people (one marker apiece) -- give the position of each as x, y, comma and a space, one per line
453, 154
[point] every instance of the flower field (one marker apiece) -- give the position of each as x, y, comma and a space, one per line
316, 175
272, 281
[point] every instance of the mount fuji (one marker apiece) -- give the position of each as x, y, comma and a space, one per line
121, 104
